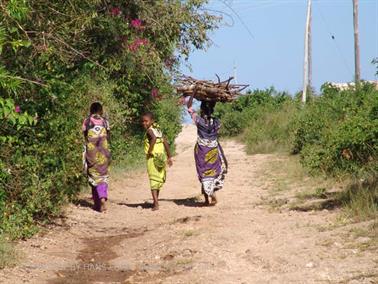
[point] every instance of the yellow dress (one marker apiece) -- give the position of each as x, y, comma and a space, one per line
156, 165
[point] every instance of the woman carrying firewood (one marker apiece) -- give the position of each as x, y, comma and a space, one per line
210, 161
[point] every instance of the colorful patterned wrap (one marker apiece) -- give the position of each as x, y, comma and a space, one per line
208, 154
96, 156
156, 165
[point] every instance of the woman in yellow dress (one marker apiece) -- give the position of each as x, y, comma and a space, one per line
158, 155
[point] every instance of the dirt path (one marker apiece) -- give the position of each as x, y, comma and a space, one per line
241, 240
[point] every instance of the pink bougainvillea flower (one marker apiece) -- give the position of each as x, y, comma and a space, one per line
137, 43
132, 47
115, 11
154, 93
136, 23
17, 109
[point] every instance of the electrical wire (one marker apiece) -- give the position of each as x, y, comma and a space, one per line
334, 41
237, 15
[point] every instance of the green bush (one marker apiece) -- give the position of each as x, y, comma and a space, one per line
335, 133
261, 118
269, 131
338, 132
169, 118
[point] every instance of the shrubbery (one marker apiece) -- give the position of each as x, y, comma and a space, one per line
260, 118
335, 133
338, 132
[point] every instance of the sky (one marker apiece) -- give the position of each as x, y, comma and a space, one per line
264, 41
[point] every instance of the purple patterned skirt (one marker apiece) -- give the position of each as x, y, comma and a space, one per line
210, 167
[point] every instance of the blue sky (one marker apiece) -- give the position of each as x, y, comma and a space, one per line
273, 54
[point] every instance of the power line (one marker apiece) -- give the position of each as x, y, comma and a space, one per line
332, 35
237, 15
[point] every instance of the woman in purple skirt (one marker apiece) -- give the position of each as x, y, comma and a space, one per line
96, 156
211, 163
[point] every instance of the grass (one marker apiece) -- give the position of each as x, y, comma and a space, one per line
134, 160
369, 232
268, 131
8, 254
290, 181
319, 193
360, 199
292, 187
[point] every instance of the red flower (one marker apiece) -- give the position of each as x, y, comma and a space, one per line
136, 23
137, 43
154, 93
17, 109
115, 11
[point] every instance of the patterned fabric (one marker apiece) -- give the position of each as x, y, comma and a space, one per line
96, 156
207, 142
210, 167
156, 165
208, 154
206, 130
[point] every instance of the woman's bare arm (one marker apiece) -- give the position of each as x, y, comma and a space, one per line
152, 139
190, 102
168, 151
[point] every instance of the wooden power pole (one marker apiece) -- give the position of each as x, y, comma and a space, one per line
309, 40
307, 65
357, 75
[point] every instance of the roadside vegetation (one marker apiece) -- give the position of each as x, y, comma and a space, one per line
334, 136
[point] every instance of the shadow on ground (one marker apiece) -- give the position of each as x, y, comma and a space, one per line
189, 202
83, 203
143, 205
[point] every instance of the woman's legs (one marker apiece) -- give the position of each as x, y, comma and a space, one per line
214, 199
96, 199
101, 192
103, 205
155, 197
207, 200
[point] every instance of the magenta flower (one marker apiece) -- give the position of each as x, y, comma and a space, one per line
17, 109
136, 23
154, 93
115, 11
142, 41
134, 46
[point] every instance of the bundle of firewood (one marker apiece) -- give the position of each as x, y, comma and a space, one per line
204, 90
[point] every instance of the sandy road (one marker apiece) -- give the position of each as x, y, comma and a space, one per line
239, 241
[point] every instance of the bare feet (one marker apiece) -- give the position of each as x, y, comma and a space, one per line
214, 200
103, 205
206, 203
207, 200
155, 207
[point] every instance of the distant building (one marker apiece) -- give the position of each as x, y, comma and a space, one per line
346, 86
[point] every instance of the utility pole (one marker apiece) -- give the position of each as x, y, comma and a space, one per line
235, 73
307, 65
357, 76
309, 39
